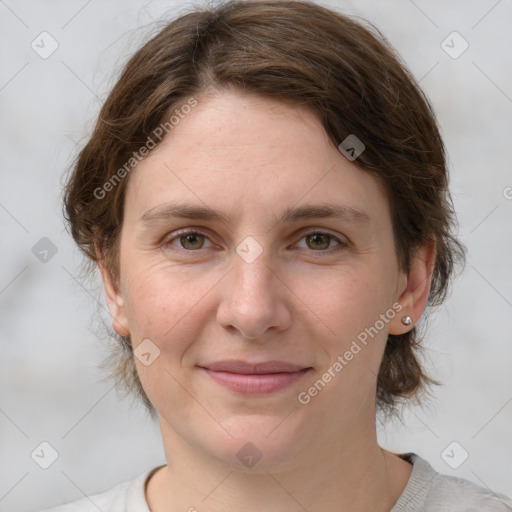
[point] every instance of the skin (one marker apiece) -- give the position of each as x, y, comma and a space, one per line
303, 300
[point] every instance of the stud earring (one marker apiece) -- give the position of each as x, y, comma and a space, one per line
407, 320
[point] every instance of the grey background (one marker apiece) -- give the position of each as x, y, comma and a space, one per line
51, 388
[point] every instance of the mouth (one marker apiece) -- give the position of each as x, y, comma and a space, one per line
254, 378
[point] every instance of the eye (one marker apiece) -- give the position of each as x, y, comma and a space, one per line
320, 241
191, 240
188, 240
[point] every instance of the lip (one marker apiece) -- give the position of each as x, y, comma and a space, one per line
255, 378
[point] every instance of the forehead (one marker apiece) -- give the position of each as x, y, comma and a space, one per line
247, 130
240, 152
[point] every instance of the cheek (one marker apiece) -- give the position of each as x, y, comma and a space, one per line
348, 304
345, 301
350, 330
166, 305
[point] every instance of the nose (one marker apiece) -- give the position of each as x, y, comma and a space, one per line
254, 300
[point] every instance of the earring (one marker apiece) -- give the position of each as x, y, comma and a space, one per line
407, 320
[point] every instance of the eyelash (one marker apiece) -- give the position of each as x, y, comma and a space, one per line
189, 231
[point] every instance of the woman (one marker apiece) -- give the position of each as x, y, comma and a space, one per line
266, 196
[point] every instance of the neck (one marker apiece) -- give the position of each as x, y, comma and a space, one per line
350, 472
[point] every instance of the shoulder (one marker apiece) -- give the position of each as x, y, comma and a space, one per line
124, 497
430, 491
466, 496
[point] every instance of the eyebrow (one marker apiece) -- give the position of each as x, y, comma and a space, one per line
171, 211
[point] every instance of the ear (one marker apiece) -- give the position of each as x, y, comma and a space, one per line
113, 296
414, 289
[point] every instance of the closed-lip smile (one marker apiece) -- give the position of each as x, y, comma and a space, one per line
254, 378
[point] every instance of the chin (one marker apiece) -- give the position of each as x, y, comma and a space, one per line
258, 443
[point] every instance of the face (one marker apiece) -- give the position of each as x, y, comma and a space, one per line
248, 237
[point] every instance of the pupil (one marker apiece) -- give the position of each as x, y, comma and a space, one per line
191, 239
317, 240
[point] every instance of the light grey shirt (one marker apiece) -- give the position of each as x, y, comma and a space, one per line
426, 491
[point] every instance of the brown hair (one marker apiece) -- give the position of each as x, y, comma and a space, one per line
344, 71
